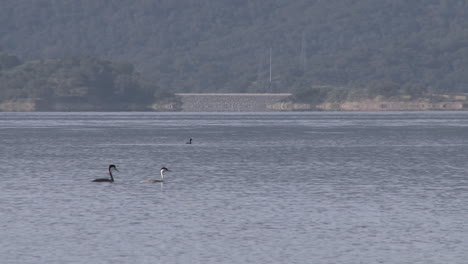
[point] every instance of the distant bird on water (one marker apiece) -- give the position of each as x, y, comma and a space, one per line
163, 169
111, 168
189, 142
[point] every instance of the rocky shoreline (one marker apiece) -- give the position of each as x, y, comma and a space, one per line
391, 106
235, 103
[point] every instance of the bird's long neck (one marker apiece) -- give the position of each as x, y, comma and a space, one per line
162, 175
110, 174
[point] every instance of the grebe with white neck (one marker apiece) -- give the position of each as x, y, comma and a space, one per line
163, 169
189, 142
111, 168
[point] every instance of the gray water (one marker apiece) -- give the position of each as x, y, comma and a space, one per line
252, 188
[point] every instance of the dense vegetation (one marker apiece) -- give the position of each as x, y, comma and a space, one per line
392, 46
74, 80
318, 94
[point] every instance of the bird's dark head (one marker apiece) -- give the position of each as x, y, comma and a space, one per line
112, 166
165, 169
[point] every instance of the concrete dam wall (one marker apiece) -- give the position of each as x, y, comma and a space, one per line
218, 102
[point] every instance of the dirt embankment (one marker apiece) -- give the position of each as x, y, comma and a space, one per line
369, 105
18, 106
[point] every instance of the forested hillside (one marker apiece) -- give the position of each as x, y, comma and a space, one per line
225, 45
78, 80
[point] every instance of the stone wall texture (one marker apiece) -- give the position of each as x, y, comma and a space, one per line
217, 102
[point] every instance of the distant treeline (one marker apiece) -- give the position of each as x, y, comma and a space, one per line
76, 79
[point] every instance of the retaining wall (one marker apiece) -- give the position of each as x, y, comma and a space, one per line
217, 102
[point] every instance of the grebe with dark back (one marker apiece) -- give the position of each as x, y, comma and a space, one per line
111, 168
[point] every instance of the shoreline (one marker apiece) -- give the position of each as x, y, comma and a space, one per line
235, 103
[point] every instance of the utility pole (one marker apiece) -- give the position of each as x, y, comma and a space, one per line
303, 56
270, 66
269, 83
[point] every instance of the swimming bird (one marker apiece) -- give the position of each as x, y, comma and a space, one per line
111, 167
189, 142
163, 169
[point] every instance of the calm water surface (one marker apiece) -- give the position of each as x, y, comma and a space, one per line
253, 188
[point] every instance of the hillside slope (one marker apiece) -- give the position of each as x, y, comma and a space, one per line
75, 83
225, 45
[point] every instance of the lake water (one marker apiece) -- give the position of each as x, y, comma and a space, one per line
252, 188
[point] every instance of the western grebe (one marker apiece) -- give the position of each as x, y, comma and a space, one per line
111, 167
189, 142
163, 169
